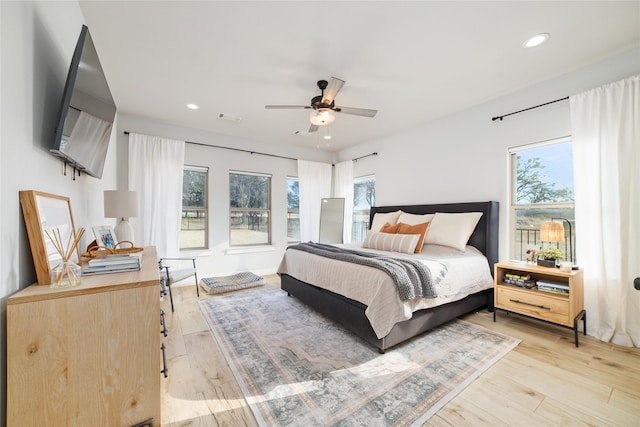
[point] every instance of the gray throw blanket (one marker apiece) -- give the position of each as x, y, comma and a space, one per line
413, 278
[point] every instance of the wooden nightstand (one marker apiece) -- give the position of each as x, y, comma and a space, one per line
564, 309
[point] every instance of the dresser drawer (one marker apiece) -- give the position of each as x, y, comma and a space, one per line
545, 306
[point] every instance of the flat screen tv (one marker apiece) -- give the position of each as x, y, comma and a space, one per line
87, 111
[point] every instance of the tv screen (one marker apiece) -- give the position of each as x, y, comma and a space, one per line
87, 112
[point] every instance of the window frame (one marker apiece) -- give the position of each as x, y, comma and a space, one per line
354, 229
205, 170
512, 153
268, 210
293, 211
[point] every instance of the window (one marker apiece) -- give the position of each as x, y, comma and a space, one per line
541, 190
193, 228
364, 196
250, 209
293, 210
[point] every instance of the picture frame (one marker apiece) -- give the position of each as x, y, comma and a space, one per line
43, 214
105, 237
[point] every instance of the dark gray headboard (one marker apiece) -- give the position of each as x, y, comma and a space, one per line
485, 237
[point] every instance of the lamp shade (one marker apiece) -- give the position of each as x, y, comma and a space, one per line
120, 204
322, 116
551, 231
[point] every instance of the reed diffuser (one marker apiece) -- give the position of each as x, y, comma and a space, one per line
67, 273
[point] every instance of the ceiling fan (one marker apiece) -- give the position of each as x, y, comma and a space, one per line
323, 105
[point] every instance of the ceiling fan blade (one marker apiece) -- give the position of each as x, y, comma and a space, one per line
285, 107
334, 86
356, 111
313, 128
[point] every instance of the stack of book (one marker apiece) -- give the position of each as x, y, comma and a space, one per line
519, 280
114, 264
550, 286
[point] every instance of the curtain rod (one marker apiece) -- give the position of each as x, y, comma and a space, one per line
493, 119
126, 132
366, 155
234, 149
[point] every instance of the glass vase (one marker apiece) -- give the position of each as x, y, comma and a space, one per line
65, 275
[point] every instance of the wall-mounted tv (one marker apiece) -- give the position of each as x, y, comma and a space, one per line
87, 111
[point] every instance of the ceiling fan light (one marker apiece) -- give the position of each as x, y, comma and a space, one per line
322, 116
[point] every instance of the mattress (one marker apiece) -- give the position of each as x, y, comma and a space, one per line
456, 274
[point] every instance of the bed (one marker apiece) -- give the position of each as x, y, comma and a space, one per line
324, 297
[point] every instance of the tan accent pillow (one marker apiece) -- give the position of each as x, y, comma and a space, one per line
403, 243
380, 219
420, 229
389, 228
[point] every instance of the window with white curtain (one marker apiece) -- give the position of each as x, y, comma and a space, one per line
293, 210
541, 191
250, 209
364, 196
194, 223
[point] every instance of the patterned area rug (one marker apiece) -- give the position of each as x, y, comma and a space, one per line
297, 368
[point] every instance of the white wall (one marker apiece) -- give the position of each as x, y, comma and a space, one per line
218, 260
463, 157
38, 40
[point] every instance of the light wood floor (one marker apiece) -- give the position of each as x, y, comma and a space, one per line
544, 381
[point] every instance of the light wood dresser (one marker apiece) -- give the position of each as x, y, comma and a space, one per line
87, 355
564, 309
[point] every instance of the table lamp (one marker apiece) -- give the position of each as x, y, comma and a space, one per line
552, 231
124, 205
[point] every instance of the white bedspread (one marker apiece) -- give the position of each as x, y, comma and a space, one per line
467, 273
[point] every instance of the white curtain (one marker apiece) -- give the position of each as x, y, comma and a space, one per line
315, 183
155, 172
605, 126
343, 187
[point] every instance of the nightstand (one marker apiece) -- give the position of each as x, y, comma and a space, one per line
543, 293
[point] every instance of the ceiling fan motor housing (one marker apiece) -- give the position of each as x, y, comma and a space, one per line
316, 103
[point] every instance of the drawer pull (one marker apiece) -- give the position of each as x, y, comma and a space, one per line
164, 370
163, 323
528, 303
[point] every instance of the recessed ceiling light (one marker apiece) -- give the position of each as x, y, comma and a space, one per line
192, 106
327, 137
536, 40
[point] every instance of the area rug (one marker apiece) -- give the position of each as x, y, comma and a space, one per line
297, 368
222, 284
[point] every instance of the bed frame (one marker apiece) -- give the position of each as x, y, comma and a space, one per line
351, 314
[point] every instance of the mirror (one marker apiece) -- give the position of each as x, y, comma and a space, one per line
331, 220
47, 212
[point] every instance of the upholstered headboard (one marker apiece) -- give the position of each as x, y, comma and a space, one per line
485, 237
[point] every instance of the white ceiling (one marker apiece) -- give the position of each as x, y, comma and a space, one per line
412, 61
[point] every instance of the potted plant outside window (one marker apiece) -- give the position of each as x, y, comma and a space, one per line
547, 257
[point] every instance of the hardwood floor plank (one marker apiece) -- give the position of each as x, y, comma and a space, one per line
461, 412
590, 413
626, 401
507, 409
494, 383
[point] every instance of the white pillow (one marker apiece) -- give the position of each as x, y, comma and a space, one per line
380, 219
452, 229
403, 243
413, 219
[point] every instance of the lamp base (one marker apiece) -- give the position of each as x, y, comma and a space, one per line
124, 231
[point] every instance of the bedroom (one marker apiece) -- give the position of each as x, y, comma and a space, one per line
37, 42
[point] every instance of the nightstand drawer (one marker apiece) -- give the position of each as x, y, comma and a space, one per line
553, 308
